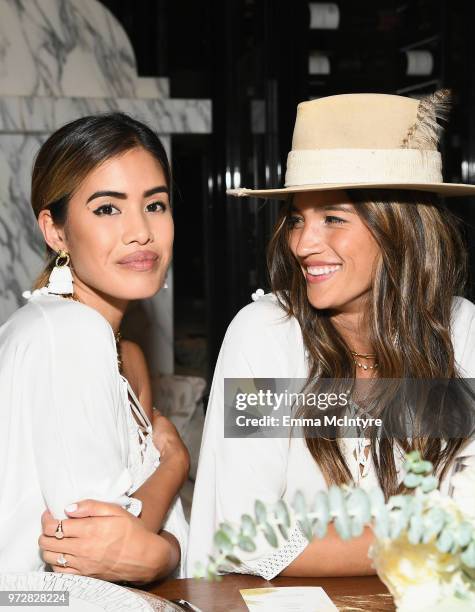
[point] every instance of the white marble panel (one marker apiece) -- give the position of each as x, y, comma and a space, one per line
168, 116
11, 119
64, 48
21, 243
152, 87
44, 115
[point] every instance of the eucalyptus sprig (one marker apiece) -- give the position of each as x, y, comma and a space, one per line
420, 515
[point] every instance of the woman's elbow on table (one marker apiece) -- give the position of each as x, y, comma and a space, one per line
161, 558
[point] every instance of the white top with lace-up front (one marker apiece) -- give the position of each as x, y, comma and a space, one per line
261, 342
67, 426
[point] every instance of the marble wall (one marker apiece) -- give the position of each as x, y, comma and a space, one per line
60, 60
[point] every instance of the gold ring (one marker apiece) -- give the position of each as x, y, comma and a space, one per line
59, 533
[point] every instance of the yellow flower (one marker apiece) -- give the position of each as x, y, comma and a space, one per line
414, 574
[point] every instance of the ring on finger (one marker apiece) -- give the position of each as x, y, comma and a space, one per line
59, 533
61, 560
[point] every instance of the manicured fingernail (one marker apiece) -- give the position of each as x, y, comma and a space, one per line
71, 508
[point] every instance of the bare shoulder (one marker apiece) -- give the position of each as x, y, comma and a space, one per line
136, 371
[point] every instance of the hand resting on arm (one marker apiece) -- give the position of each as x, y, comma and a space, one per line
108, 542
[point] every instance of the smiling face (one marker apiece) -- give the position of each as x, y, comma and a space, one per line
335, 250
119, 228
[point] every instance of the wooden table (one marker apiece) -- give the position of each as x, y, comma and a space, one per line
365, 593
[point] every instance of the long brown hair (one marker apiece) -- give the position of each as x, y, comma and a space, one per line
72, 152
422, 267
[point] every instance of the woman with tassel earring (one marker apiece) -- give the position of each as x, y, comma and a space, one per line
89, 476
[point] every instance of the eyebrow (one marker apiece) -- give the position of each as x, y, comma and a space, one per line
341, 207
123, 196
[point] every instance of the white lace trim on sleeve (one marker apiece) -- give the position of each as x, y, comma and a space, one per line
270, 566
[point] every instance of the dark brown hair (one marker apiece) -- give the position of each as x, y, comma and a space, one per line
72, 152
422, 267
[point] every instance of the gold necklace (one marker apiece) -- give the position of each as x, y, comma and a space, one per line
117, 334
375, 366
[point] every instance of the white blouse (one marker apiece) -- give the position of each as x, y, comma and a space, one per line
261, 342
67, 426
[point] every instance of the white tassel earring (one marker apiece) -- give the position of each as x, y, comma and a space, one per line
61, 279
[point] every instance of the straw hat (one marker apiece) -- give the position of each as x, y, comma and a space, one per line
357, 141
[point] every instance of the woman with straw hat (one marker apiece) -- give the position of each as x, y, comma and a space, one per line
365, 264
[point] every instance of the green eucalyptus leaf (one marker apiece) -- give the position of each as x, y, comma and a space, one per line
411, 459
336, 500
421, 467
434, 521
412, 480
260, 512
381, 523
299, 504
397, 501
246, 543
416, 505
399, 513
282, 513
307, 528
463, 534
284, 532
455, 548
321, 508
270, 535
320, 528
222, 541
377, 501
445, 540
468, 555
356, 527
358, 505
343, 526
398, 521
416, 529
337, 504
248, 527
233, 559
228, 530
417, 468
429, 483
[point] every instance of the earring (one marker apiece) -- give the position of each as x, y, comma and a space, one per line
165, 284
61, 279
